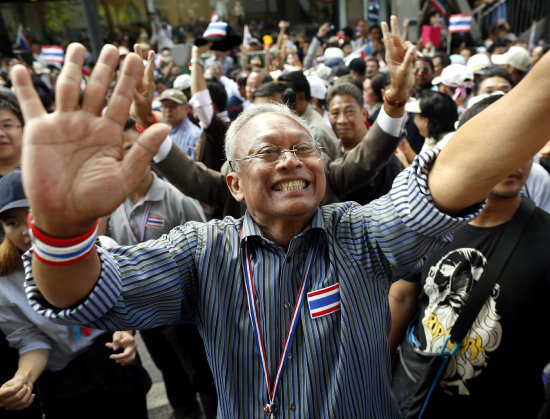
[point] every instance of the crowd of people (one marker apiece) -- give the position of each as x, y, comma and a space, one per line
276, 221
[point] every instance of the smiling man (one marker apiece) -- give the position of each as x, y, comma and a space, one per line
11, 134
291, 299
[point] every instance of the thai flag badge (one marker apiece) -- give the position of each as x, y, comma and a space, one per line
324, 301
155, 222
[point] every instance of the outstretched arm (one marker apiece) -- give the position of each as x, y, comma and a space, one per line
506, 134
91, 175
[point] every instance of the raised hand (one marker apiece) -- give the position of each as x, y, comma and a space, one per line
141, 109
399, 59
74, 168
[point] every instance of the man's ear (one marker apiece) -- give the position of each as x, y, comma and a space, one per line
233, 180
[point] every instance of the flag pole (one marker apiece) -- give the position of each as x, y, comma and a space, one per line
449, 34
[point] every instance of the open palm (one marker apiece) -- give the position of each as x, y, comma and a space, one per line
74, 169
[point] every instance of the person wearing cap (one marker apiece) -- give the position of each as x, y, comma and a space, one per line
183, 132
61, 356
479, 64
183, 83
457, 81
238, 280
318, 89
516, 61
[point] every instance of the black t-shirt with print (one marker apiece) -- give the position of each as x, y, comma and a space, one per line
499, 367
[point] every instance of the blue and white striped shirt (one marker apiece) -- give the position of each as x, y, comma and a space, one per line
339, 365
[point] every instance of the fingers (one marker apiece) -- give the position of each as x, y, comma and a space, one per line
29, 101
100, 81
395, 28
386, 38
138, 50
67, 88
143, 151
121, 99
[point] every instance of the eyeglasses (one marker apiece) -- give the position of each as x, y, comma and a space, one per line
8, 126
423, 70
271, 154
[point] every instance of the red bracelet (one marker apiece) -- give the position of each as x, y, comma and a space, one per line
54, 241
140, 130
397, 103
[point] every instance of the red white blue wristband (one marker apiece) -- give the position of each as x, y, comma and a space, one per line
61, 252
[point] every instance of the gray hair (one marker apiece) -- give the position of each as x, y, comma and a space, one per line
251, 112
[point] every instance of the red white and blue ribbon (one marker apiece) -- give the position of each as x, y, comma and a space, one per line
61, 252
253, 311
143, 223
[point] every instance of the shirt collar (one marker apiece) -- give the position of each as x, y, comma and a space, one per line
156, 191
251, 229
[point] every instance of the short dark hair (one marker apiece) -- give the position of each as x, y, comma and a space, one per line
10, 103
269, 89
217, 93
444, 57
495, 72
427, 60
348, 89
477, 108
378, 82
298, 81
441, 111
348, 78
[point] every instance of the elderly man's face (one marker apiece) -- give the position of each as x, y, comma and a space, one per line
287, 189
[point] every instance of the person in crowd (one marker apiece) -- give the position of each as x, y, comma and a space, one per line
11, 134
423, 75
457, 81
494, 80
435, 114
321, 132
206, 273
235, 101
175, 109
538, 52
74, 366
358, 68
151, 210
516, 61
477, 379
440, 61
347, 118
373, 92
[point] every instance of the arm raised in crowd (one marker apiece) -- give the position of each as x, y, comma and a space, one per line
74, 167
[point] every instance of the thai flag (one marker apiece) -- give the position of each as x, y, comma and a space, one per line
324, 301
53, 54
156, 222
247, 36
460, 23
22, 39
216, 29
214, 17
439, 5
158, 61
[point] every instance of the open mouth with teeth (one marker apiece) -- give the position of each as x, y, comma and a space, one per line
293, 185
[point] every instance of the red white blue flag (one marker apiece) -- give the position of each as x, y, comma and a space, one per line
155, 222
53, 54
22, 40
247, 36
460, 23
214, 17
324, 301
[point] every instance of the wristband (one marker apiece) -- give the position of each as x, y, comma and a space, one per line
61, 252
197, 61
140, 130
397, 103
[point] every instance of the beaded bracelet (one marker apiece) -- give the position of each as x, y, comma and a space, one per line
397, 103
140, 130
61, 252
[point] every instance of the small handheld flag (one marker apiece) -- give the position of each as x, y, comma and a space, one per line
460, 23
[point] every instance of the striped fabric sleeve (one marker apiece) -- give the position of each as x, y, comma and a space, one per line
103, 296
419, 226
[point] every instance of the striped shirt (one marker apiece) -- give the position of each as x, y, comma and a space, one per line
339, 366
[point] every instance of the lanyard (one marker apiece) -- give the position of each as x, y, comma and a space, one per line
252, 310
126, 221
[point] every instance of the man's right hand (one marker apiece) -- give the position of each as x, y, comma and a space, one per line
74, 168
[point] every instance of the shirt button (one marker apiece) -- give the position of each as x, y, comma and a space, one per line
292, 406
289, 355
286, 304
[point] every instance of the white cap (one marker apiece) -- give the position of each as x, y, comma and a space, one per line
478, 63
182, 82
317, 86
332, 52
517, 57
455, 75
